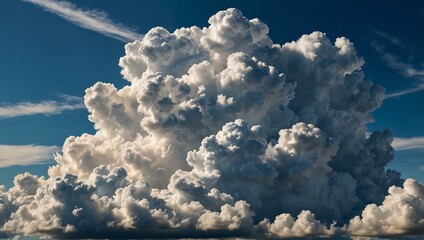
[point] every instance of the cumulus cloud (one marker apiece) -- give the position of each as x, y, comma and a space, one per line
221, 133
44, 107
286, 226
26, 154
402, 211
94, 20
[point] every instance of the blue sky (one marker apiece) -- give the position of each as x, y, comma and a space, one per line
48, 61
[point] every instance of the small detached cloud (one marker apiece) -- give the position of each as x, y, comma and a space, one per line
222, 133
68, 103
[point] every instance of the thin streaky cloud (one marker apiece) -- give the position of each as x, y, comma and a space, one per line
407, 70
89, 19
390, 38
400, 144
12, 155
405, 91
44, 107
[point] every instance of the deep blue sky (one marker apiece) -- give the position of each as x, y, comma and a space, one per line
42, 55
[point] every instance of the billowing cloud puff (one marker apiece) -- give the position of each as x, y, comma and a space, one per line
402, 211
222, 133
286, 226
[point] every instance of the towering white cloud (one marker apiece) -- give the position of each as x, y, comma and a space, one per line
221, 133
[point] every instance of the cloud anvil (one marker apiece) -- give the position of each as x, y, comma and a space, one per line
221, 132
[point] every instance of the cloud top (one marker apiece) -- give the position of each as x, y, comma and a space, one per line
222, 133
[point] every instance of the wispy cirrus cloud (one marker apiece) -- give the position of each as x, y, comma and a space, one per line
407, 70
26, 154
394, 62
400, 144
44, 107
390, 38
94, 20
416, 88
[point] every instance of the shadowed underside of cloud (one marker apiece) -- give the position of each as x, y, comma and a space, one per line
90, 19
44, 107
222, 133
